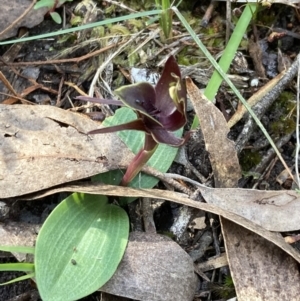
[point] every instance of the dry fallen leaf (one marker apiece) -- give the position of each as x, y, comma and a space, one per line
264, 271
272, 210
252, 259
222, 154
12, 11
175, 197
154, 268
43, 146
213, 263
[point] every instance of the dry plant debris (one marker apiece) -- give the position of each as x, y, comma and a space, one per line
56, 147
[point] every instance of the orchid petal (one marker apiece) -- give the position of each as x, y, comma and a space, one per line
140, 160
170, 91
136, 124
100, 100
173, 122
163, 136
140, 97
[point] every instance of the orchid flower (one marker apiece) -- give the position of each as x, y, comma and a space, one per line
160, 110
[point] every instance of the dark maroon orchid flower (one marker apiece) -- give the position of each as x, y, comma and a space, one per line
160, 110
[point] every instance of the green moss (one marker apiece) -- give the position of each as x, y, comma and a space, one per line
249, 158
266, 17
284, 115
226, 290
136, 24
110, 10
133, 57
119, 30
98, 32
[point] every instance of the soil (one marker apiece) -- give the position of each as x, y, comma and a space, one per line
279, 121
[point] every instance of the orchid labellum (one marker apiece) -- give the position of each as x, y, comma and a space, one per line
160, 110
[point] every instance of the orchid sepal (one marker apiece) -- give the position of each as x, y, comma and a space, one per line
136, 124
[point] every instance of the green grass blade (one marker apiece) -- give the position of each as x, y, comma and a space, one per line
18, 249
18, 266
230, 50
229, 82
220, 73
86, 26
21, 278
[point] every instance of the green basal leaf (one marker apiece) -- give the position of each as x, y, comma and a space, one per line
79, 247
160, 160
18, 249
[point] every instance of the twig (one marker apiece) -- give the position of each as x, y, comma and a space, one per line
261, 107
270, 153
72, 60
147, 212
103, 66
297, 125
180, 177
117, 3
212, 219
61, 83
208, 14
266, 173
228, 20
163, 177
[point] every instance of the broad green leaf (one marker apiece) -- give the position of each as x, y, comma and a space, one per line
18, 249
79, 247
161, 159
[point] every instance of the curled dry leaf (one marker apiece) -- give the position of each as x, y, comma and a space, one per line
222, 154
154, 268
292, 239
180, 199
43, 146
